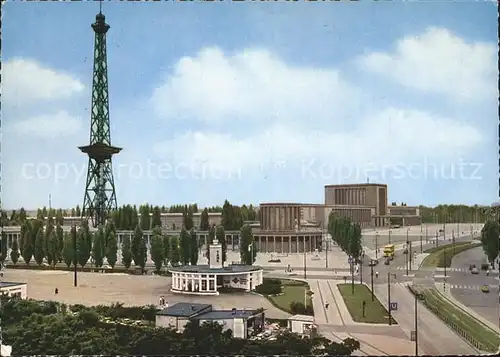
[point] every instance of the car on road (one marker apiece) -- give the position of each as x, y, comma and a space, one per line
387, 261
373, 262
485, 289
474, 271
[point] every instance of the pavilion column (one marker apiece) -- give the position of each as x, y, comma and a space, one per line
274, 244
289, 244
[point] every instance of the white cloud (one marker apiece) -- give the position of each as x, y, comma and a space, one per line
49, 126
25, 81
392, 137
438, 61
252, 85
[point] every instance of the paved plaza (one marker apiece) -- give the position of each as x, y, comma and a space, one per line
104, 289
336, 260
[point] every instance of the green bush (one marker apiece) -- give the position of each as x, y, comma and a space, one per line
118, 311
298, 308
269, 287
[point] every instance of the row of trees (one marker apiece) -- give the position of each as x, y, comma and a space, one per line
346, 234
49, 328
127, 217
456, 213
52, 245
490, 239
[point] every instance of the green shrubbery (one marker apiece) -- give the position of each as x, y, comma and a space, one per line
298, 308
48, 328
269, 287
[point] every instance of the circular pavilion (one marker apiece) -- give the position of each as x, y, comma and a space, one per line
206, 279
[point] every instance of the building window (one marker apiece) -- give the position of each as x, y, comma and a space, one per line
217, 258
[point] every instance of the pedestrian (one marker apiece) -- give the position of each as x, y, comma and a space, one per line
376, 274
326, 305
56, 291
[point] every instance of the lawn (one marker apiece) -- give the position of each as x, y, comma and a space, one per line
292, 290
375, 312
436, 258
459, 321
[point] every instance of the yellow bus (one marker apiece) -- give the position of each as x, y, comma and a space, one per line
389, 251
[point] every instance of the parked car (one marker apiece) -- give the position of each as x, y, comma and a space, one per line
485, 289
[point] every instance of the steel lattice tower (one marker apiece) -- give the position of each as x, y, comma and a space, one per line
100, 196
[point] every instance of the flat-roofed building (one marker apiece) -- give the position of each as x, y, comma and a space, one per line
404, 215
14, 289
241, 321
364, 216
283, 229
371, 195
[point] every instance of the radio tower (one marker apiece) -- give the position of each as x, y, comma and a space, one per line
100, 196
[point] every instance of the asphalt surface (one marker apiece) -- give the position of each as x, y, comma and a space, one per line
465, 287
372, 240
397, 265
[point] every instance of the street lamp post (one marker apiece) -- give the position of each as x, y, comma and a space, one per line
417, 296
75, 278
389, 234
444, 255
426, 236
325, 237
453, 241
408, 250
361, 266
376, 245
389, 296
421, 248
371, 276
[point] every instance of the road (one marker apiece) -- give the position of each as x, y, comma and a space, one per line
397, 265
435, 338
465, 287
379, 238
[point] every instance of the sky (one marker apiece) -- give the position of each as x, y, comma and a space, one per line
254, 102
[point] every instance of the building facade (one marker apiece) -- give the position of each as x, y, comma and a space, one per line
206, 279
243, 322
12, 289
405, 215
283, 229
365, 195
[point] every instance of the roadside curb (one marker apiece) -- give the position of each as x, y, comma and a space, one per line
454, 303
450, 326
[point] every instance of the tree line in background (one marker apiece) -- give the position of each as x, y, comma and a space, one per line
456, 213
127, 217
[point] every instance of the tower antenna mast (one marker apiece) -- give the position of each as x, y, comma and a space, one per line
100, 197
